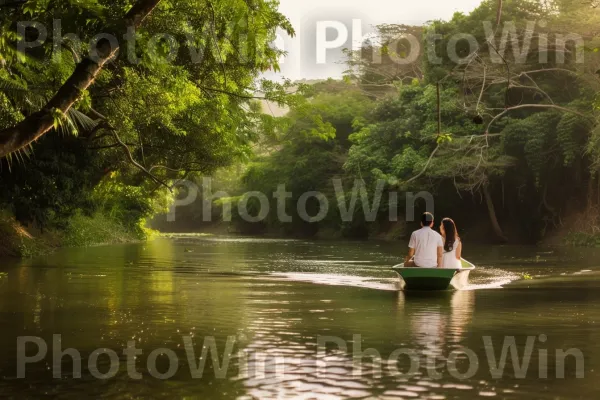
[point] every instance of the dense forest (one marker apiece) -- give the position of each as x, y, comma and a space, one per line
504, 134
506, 139
93, 136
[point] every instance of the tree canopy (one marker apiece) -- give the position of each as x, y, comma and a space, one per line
177, 95
508, 124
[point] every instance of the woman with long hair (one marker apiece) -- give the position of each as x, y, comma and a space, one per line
452, 244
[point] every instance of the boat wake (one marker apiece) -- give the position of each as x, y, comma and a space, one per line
390, 284
490, 278
480, 279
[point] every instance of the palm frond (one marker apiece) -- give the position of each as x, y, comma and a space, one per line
9, 85
19, 92
81, 121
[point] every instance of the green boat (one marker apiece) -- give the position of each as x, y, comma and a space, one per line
415, 278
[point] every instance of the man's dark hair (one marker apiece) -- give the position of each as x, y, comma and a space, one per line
427, 219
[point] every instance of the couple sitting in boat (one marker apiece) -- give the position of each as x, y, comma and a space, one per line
429, 249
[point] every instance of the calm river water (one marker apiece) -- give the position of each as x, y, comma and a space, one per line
292, 314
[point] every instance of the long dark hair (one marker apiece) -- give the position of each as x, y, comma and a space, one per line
451, 234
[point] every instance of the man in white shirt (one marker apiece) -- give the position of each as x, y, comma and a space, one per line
425, 245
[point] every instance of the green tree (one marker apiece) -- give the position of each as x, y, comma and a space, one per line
144, 115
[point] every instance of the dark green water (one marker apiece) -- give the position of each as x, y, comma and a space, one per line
276, 299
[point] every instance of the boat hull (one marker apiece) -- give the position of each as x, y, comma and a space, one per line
414, 278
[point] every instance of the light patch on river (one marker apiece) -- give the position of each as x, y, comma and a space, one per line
491, 278
484, 278
340, 280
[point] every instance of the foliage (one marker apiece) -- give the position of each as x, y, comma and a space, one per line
509, 124
48, 187
402, 132
507, 138
152, 116
98, 228
311, 152
582, 239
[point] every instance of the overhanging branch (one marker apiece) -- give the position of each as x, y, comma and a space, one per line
39, 123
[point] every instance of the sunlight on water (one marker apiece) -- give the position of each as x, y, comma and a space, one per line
340, 280
491, 278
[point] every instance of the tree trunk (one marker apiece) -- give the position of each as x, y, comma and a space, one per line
591, 192
492, 214
499, 13
39, 123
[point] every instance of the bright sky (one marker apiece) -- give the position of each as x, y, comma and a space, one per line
305, 14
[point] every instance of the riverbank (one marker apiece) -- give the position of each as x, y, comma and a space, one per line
15, 238
78, 231
84, 231
474, 230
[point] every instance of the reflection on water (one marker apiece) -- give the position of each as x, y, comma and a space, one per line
442, 323
298, 315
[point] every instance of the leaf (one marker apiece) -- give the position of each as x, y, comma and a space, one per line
80, 120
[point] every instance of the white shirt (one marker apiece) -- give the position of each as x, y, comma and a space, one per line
426, 241
449, 259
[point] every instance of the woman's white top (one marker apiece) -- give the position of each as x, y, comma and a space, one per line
449, 259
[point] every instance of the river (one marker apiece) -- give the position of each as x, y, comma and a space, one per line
288, 316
